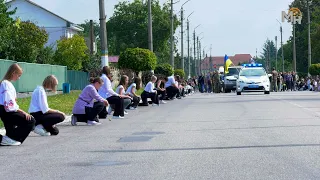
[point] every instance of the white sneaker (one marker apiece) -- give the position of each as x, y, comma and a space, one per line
163, 102
132, 108
155, 104
125, 112
93, 123
73, 120
41, 131
109, 110
118, 117
6, 141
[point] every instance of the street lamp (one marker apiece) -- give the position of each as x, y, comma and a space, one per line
194, 48
188, 29
282, 55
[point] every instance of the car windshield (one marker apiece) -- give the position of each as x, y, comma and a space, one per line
233, 71
252, 72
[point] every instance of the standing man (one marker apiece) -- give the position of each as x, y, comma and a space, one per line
274, 80
216, 80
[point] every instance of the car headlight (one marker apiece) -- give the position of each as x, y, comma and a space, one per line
265, 81
241, 81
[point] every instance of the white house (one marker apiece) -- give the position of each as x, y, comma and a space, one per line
56, 26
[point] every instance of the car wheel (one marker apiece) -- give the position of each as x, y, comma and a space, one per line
238, 93
267, 92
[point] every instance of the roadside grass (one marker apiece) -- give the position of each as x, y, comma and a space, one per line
61, 102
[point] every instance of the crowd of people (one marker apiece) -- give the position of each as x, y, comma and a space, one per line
290, 81
97, 100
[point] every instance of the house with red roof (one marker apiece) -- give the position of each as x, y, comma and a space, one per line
218, 61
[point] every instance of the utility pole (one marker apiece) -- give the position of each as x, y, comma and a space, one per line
188, 29
309, 37
197, 62
282, 54
182, 57
172, 38
294, 47
190, 61
276, 39
91, 38
200, 58
211, 64
194, 51
150, 34
103, 34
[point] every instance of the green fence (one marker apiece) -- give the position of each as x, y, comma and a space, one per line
77, 79
34, 74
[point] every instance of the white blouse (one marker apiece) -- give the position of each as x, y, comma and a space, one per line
106, 90
39, 101
150, 88
118, 90
133, 85
8, 96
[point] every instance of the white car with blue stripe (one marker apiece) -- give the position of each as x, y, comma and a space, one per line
253, 78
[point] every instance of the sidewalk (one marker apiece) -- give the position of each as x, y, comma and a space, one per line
67, 120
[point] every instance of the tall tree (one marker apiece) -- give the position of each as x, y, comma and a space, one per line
5, 23
128, 28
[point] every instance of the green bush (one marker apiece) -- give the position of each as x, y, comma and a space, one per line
137, 59
179, 72
164, 69
314, 69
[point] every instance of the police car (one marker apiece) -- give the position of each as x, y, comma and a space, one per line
253, 78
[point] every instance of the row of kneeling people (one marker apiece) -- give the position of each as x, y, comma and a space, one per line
92, 103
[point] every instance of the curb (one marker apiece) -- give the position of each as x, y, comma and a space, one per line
67, 120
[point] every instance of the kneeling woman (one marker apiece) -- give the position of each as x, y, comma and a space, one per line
150, 92
85, 109
46, 118
18, 124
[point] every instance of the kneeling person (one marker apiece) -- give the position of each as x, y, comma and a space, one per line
46, 118
85, 109
150, 92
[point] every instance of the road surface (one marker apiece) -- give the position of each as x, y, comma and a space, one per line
204, 136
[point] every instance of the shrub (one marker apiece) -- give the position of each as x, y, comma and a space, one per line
164, 69
314, 69
179, 72
137, 59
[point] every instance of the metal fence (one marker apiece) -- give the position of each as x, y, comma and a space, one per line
34, 74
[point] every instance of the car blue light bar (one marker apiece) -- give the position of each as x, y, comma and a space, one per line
252, 65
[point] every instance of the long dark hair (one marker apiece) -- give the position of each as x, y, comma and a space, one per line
123, 81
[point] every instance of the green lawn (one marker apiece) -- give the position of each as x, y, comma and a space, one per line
61, 102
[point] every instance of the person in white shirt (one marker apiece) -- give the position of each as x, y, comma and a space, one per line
46, 118
124, 80
171, 88
131, 91
18, 124
114, 98
150, 92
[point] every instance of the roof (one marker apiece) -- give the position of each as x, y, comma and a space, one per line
219, 60
29, 1
113, 59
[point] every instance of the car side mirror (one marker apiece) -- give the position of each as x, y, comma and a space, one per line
236, 76
269, 75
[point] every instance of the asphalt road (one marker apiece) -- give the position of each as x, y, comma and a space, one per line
204, 136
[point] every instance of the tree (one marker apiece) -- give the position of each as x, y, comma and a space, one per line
26, 41
164, 70
46, 55
72, 52
128, 28
179, 72
137, 59
5, 23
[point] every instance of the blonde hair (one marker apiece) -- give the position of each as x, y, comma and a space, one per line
153, 78
50, 82
14, 68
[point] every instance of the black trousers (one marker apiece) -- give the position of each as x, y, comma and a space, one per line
118, 107
162, 93
172, 92
135, 101
154, 97
91, 113
48, 121
16, 125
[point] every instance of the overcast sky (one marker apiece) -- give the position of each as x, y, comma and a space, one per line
231, 26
